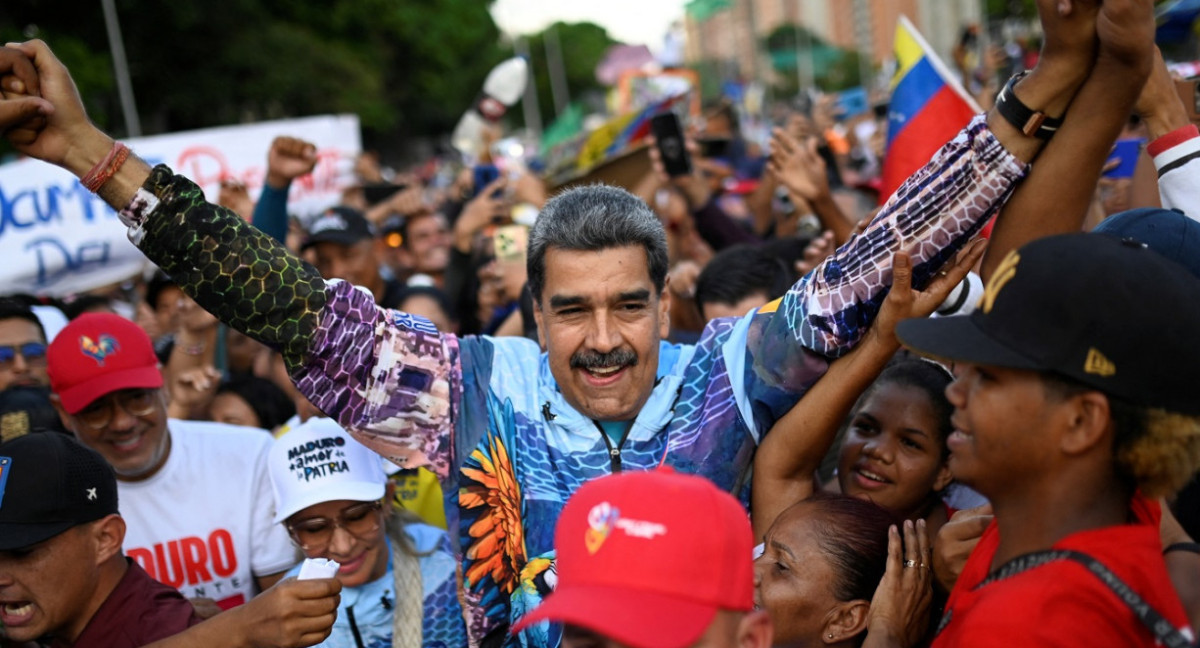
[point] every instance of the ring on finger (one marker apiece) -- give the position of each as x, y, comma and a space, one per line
910, 563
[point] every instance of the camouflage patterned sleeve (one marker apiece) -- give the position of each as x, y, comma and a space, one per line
241, 275
388, 377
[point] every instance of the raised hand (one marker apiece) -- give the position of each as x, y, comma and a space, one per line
693, 187
798, 167
191, 390
1125, 29
288, 159
900, 608
903, 302
490, 206
22, 110
956, 540
68, 138
1159, 102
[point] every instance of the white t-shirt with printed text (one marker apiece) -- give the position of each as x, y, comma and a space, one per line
203, 523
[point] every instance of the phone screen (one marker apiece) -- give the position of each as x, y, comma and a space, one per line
1127, 151
668, 136
484, 175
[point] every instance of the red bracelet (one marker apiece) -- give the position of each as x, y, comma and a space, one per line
107, 168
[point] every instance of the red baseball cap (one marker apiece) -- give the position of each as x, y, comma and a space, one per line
97, 354
648, 558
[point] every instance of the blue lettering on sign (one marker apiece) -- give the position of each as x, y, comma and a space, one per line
47, 205
55, 259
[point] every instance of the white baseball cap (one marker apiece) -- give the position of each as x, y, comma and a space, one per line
319, 462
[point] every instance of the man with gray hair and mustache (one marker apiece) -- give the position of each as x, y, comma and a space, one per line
512, 427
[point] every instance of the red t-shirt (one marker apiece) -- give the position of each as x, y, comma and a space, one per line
1061, 603
138, 611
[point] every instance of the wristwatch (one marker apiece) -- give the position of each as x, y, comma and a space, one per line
1033, 123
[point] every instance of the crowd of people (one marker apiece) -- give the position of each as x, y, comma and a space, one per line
741, 405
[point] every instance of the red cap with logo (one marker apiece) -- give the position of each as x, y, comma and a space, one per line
97, 354
648, 558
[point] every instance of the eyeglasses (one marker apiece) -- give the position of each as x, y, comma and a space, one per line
138, 402
360, 521
30, 351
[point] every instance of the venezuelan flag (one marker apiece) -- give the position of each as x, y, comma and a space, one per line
928, 108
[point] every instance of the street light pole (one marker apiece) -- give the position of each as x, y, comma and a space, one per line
133, 125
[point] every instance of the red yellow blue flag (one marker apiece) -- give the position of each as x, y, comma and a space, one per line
928, 108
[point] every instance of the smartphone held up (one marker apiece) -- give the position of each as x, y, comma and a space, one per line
668, 137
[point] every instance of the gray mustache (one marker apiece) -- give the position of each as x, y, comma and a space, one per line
614, 358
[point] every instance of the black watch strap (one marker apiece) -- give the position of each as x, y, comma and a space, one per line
1033, 123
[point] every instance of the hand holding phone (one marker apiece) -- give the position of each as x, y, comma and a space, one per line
1126, 152
668, 137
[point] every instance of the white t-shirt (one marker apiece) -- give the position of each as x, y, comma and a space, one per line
203, 524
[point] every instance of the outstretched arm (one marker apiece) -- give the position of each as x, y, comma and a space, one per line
386, 376
291, 614
789, 455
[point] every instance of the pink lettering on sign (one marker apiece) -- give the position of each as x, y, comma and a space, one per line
207, 166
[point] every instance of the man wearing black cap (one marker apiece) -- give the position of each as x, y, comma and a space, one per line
1068, 422
63, 578
62, 573
344, 244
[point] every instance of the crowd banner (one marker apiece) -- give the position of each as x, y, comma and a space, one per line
56, 238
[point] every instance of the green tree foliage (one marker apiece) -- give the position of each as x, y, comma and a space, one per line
406, 68
1000, 9
833, 68
583, 47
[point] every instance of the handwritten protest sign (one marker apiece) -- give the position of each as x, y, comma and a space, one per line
56, 238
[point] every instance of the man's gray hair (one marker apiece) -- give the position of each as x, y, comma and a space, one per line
591, 218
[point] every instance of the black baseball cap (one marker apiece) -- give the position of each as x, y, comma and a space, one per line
342, 225
50, 483
25, 409
1109, 313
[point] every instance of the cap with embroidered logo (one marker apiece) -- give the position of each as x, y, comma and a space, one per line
50, 483
1109, 313
648, 558
97, 354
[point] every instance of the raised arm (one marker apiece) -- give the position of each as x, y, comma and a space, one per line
287, 159
385, 376
934, 214
790, 454
1175, 141
1055, 197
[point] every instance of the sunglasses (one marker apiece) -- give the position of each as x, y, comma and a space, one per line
30, 351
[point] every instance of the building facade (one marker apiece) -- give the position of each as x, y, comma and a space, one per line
735, 34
